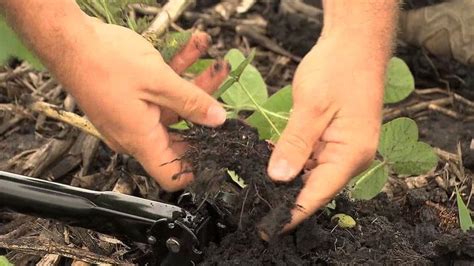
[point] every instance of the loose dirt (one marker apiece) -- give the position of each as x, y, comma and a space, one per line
419, 229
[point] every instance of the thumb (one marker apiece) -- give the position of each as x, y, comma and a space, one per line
185, 99
296, 143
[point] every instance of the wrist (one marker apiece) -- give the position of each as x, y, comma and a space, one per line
367, 27
357, 52
52, 39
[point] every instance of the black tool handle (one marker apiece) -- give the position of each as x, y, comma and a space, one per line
162, 225
106, 212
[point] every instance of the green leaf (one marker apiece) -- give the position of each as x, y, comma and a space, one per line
11, 46
250, 79
416, 159
344, 220
400, 147
369, 183
172, 43
465, 219
181, 125
236, 178
199, 66
395, 133
399, 82
4, 261
279, 103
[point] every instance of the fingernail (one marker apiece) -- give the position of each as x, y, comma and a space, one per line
216, 115
280, 170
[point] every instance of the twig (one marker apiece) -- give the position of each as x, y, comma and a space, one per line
49, 259
396, 112
260, 197
170, 13
431, 91
243, 207
444, 111
463, 100
447, 156
456, 96
145, 9
42, 248
299, 6
266, 42
22, 69
66, 117
8, 107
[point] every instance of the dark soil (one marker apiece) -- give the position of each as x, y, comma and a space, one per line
386, 233
420, 229
235, 146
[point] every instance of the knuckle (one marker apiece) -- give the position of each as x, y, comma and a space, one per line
191, 105
319, 108
297, 143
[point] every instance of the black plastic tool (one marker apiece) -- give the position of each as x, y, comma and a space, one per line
177, 236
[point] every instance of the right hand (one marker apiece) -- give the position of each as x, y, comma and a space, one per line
335, 120
130, 94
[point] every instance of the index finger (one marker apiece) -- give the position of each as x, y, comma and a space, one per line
324, 182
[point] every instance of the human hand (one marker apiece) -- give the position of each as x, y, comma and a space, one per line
130, 94
335, 122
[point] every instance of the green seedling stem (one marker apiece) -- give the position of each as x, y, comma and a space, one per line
234, 76
253, 108
260, 109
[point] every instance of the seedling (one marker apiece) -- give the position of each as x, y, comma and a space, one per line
465, 219
399, 148
401, 153
344, 220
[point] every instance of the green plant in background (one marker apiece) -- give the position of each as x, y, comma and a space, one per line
11, 46
465, 219
399, 82
116, 12
4, 261
111, 11
400, 151
401, 154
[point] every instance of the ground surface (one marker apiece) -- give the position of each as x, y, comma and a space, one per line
415, 222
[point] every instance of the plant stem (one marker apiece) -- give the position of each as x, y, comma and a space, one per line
259, 108
108, 15
252, 108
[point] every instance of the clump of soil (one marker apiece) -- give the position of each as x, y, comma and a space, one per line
386, 234
417, 230
236, 147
